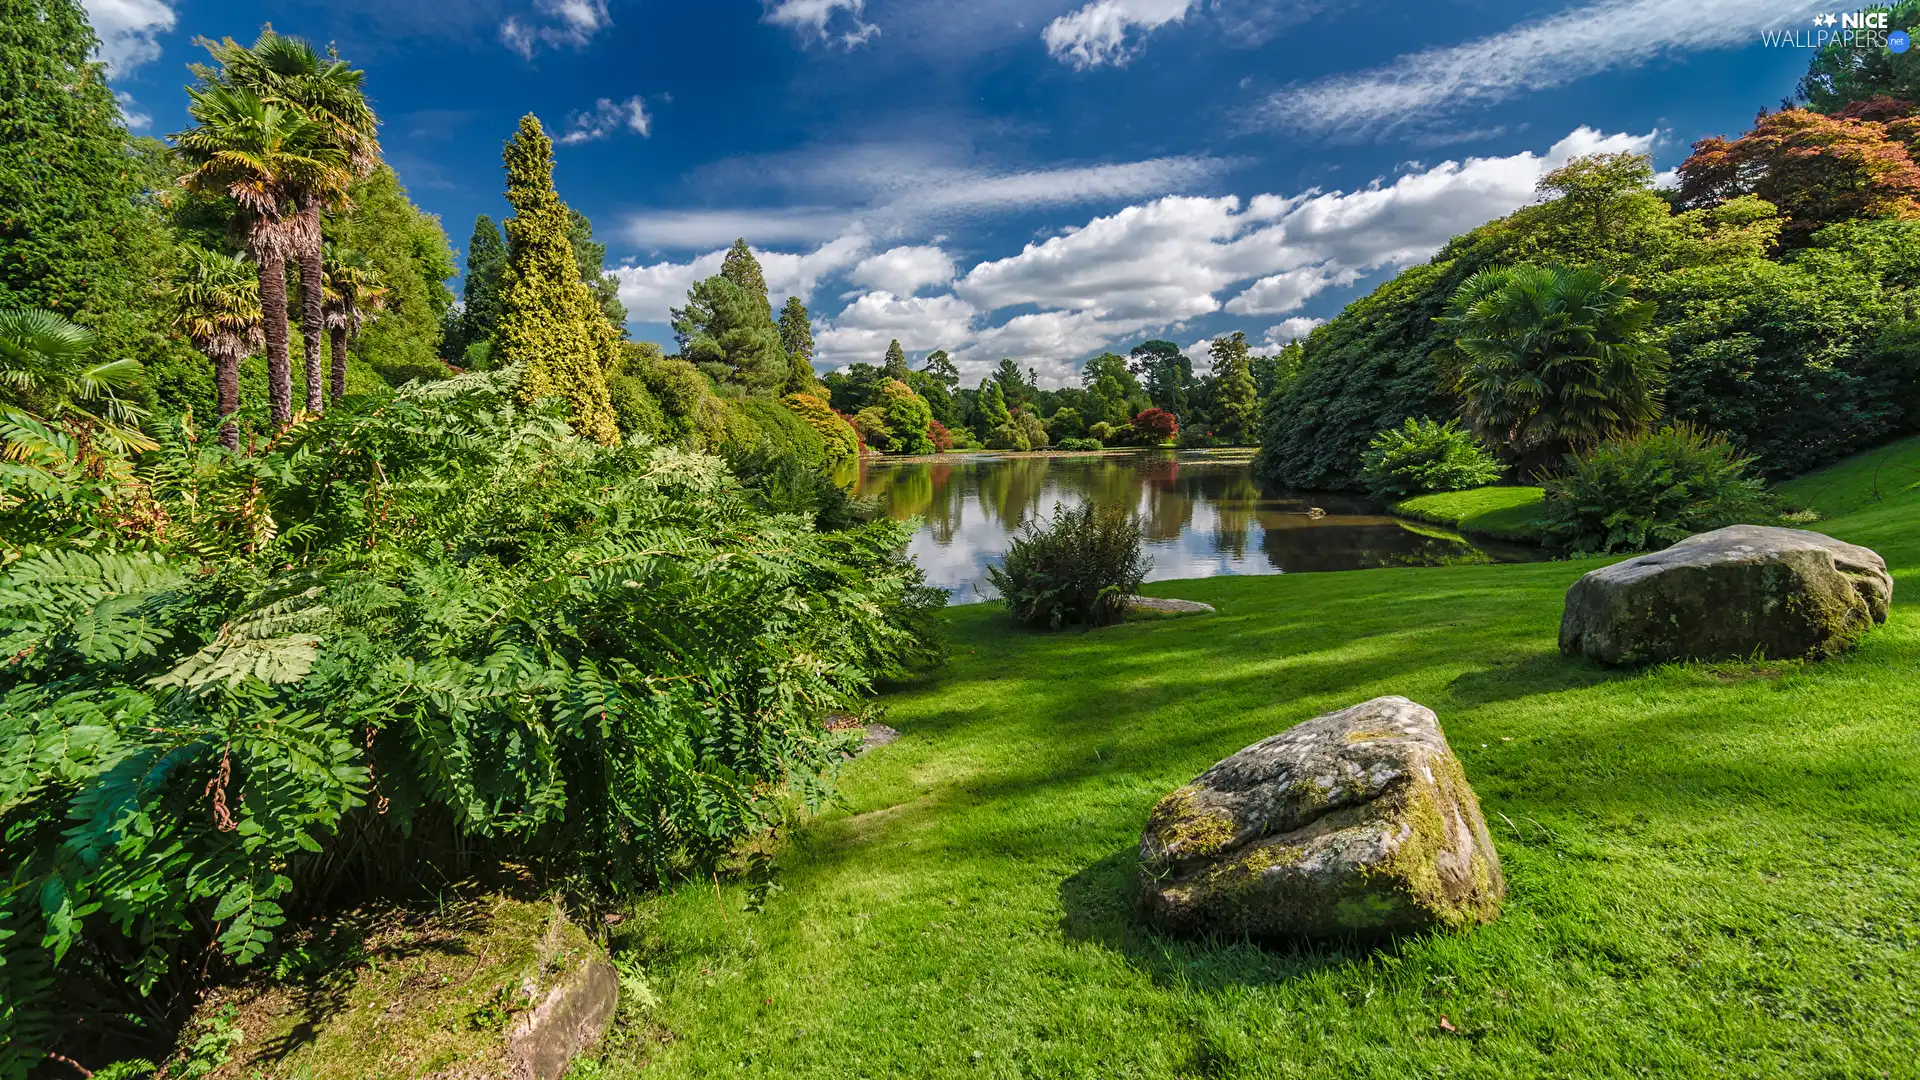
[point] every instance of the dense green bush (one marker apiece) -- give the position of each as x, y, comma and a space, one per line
1006, 437
1650, 491
1078, 444
1101, 432
780, 432
1422, 456
1078, 571
836, 435
416, 629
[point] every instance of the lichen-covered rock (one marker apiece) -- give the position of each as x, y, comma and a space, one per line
572, 1017
1730, 594
1354, 825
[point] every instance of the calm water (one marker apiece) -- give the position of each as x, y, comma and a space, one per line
1203, 514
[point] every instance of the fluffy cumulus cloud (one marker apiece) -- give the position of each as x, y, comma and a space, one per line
1286, 333
555, 24
650, 292
1106, 31
129, 31
832, 21
1551, 52
1148, 269
921, 324
608, 117
904, 270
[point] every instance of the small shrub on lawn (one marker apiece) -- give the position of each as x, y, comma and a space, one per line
1651, 491
1079, 570
1078, 444
1422, 456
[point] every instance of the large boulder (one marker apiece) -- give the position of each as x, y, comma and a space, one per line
1354, 825
1730, 594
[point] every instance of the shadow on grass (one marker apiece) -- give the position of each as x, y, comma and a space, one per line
1540, 673
1099, 906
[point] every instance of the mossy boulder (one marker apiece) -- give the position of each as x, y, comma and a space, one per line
1356, 825
1734, 593
491, 988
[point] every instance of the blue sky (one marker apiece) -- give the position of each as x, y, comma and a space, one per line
1041, 179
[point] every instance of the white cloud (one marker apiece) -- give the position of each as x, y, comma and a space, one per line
1286, 333
1097, 33
920, 324
128, 30
650, 291
130, 112
904, 271
818, 18
1535, 56
570, 23
606, 117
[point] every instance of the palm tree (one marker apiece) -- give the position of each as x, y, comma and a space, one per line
262, 156
1555, 359
354, 298
286, 71
45, 373
218, 308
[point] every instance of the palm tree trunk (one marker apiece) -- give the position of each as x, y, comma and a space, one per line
226, 377
273, 321
312, 303
339, 387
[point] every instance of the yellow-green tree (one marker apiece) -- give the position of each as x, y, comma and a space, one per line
550, 323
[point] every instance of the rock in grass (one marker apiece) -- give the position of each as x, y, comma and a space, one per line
1354, 825
572, 1017
1730, 594
1159, 605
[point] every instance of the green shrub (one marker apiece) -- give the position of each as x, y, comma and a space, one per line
426, 632
1032, 431
780, 432
1006, 437
1650, 491
1421, 456
871, 423
1066, 424
836, 435
1077, 571
1078, 444
1102, 432
909, 420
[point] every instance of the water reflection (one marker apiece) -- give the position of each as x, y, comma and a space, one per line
1202, 513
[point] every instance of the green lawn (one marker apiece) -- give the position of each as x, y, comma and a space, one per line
1714, 871
1503, 513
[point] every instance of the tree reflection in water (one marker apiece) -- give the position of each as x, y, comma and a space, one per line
1202, 514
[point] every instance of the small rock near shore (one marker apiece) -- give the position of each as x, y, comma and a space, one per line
1161, 606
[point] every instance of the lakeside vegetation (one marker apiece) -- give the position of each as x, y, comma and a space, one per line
1710, 865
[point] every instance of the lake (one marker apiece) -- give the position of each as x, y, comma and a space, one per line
1202, 512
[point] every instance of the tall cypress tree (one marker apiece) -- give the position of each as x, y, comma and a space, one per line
743, 270
796, 337
549, 321
486, 261
77, 235
592, 257
896, 362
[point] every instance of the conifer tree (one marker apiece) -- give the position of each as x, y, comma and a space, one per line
592, 258
77, 237
896, 362
796, 337
990, 410
486, 261
548, 318
1235, 395
743, 270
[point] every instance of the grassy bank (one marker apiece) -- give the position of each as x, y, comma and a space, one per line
1712, 868
1501, 513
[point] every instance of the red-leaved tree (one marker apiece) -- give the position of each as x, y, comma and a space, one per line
1817, 169
1155, 425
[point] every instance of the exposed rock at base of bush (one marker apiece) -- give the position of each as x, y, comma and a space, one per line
489, 988
1730, 594
1358, 824
1163, 606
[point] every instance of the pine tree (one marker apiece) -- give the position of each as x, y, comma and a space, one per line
1235, 395
896, 363
77, 235
990, 410
796, 337
743, 270
592, 258
548, 318
480, 293
729, 333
